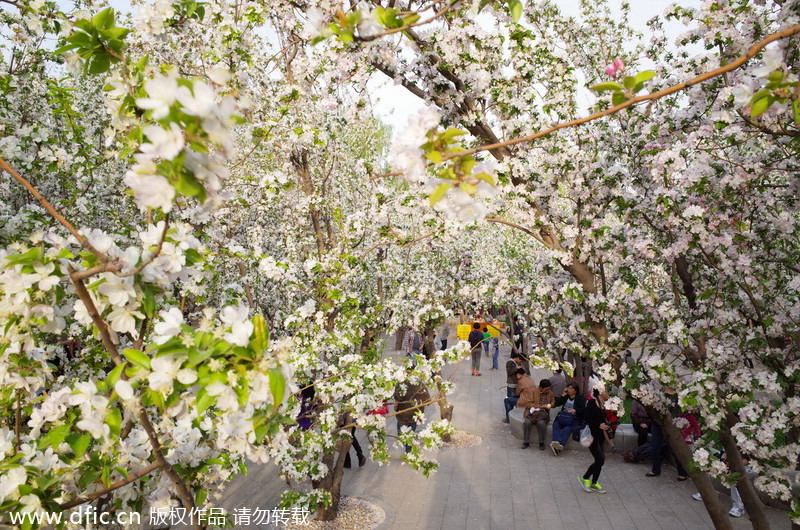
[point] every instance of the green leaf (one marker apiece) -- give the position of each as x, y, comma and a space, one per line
617, 98
485, 177
189, 186
629, 82
79, 443
115, 374
33, 255
192, 256
796, 110
204, 400
137, 357
196, 356
260, 339
114, 421
515, 7
645, 76
439, 192
88, 477
761, 106
65, 254
469, 187
99, 63
64, 49
149, 302
452, 132
606, 87
104, 19
54, 437
277, 385
434, 156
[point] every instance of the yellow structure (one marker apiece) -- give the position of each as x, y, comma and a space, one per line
495, 329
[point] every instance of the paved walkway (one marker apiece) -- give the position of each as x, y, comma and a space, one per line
497, 485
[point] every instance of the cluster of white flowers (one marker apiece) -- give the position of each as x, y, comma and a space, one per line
214, 116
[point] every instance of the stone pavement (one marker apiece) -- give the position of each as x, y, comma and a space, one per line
497, 485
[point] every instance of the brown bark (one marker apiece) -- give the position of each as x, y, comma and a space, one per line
701, 480
157, 450
398, 337
332, 482
752, 503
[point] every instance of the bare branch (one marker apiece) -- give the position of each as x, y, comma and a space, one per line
751, 52
136, 475
49, 207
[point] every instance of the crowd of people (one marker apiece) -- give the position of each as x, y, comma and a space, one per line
580, 414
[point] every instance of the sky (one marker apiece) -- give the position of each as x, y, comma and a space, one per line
394, 104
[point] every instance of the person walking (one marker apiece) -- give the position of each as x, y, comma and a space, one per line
536, 411
412, 345
475, 340
510, 401
595, 418
345, 421
444, 333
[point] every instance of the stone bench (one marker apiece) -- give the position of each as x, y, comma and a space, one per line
626, 438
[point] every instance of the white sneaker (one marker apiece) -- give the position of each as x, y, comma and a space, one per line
736, 512
697, 496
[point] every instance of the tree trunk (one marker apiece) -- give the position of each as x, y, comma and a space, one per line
398, 338
445, 408
753, 505
700, 479
332, 482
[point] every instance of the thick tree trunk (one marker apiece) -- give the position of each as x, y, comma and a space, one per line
700, 479
445, 408
332, 482
398, 337
753, 505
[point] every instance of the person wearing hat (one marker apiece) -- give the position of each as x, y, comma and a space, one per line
537, 405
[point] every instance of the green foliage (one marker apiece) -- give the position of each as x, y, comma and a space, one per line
630, 86
97, 41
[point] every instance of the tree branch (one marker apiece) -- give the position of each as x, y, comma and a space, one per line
751, 52
49, 207
136, 475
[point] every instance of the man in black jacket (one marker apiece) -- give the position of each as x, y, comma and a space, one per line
572, 406
475, 340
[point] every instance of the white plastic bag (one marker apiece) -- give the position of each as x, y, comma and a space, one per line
586, 437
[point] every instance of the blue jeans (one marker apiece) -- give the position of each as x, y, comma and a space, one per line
563, 427
496, 353
411, 425
510, 403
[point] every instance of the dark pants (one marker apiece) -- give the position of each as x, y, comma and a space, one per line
510, 403
510, 391
599, 459
356, 446
659, 444
444, 344
642, 434
541, 428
